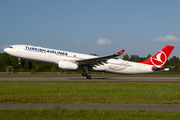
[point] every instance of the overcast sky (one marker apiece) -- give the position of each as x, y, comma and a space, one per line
100, 27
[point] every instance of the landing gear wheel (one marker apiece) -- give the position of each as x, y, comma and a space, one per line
84, 74
88, 76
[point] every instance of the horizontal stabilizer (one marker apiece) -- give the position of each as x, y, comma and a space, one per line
158, 69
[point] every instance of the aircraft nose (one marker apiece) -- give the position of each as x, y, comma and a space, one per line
6, 50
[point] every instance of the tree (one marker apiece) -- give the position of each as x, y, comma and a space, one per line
6, 61
135, 58
125, 57
26, 65
10, 69
94, 54
148, 56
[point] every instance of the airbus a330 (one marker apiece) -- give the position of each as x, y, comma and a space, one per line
73, 61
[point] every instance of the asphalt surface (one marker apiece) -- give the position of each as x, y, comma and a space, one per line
95, 106
82, 79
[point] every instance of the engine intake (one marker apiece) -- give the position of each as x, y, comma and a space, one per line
67, 65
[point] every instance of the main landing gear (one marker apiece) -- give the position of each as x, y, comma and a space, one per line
85, 73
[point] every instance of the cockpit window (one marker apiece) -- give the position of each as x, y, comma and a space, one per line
10, 47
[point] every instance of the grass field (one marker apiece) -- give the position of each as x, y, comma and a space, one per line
69, 92
64, 114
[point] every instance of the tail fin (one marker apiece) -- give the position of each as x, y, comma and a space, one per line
160, 57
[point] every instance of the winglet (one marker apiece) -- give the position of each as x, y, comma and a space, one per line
120, 52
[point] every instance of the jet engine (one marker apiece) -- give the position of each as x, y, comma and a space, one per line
67, 65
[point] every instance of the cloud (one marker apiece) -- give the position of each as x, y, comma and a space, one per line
103, 42
79, 42
112, 34
168, 38
54, 37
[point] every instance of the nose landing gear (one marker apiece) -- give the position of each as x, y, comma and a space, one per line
19, 59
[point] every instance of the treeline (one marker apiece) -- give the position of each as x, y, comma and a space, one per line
9, 63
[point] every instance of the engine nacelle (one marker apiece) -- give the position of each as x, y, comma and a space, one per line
67, 65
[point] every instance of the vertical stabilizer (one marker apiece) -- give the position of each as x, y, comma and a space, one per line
160, 57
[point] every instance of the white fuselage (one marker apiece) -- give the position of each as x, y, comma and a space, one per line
54, 56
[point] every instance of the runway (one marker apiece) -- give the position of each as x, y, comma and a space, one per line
98, 79
95, 106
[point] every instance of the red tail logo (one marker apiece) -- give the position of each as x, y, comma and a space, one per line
160, 57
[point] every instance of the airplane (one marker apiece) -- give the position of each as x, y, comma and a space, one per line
73, 61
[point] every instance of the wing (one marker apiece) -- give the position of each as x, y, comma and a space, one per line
98, 60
